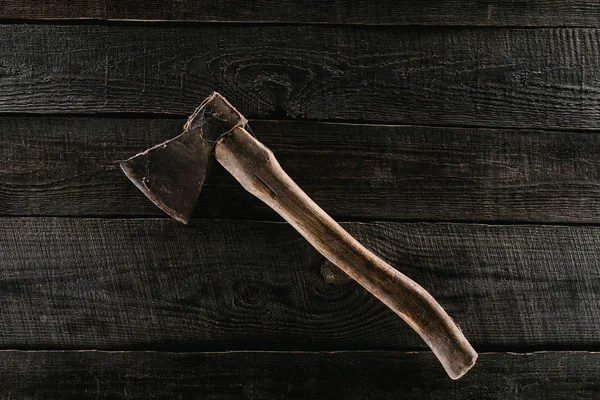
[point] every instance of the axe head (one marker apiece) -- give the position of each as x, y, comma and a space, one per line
171, 174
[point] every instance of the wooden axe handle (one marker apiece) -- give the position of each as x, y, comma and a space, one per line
256, 168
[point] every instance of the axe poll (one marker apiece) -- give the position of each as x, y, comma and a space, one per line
172, 173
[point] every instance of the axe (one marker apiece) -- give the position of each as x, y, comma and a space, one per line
171, 174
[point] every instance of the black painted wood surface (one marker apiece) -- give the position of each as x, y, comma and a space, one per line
55, 166
388, 12
537, 78
294, 375
487, 111
214, 285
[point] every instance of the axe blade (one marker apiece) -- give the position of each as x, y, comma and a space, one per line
172, 173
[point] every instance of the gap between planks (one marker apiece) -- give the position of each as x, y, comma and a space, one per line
255, 23
333, 122
340, 219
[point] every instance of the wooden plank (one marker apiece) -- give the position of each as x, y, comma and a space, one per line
444, 76
53, 166
156, 284
402, 12
300, 375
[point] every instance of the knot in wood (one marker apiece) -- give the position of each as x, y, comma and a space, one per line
333, 275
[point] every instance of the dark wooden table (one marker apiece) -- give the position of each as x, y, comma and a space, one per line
458, 139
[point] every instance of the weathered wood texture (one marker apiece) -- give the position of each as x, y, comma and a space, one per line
455, 76
389, 12
68, 166
302, 375
157, 284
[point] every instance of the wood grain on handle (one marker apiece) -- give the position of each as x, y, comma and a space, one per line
256, 168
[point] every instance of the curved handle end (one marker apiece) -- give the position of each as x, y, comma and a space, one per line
460, 364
